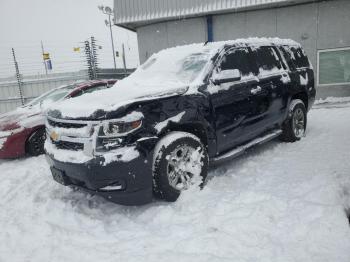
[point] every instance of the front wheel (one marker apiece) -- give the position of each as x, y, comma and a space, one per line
295, 125
35, 143
180, 160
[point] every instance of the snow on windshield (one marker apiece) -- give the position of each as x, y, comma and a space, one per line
174, 66
177, 65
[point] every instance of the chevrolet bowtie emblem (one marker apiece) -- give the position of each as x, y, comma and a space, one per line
54, 136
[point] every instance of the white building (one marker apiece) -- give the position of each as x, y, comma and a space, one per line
322, 27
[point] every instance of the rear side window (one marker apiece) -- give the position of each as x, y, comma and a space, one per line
267, 59
287, 56
237, 58
90, 90
297, 56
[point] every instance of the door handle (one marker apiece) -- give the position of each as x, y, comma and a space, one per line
256, 90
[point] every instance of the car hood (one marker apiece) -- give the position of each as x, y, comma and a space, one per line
21, 117
121, 94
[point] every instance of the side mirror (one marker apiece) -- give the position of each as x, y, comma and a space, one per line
226, 76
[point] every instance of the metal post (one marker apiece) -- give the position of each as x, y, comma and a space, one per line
210, 28
42, 53
88, 59
110, 29
19, 80
94, 61
124, 63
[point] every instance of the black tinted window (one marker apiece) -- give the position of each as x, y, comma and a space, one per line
298, 57
287, 56
237, 59
267, 58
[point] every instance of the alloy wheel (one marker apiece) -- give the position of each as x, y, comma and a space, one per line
298, 123
183, 167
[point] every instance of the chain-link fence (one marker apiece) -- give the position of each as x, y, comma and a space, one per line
32, 77
10, 96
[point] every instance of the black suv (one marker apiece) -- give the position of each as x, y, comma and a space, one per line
155, 132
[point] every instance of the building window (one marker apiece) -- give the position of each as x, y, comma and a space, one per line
334, 66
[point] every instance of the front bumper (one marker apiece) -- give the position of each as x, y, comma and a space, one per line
134, 176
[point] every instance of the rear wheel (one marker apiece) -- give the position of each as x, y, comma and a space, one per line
35, 143
180, 161
295, 125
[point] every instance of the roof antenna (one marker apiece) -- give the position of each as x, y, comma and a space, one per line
206, 42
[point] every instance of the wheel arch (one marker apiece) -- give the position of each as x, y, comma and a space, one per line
196, 129
29, 135
303, 97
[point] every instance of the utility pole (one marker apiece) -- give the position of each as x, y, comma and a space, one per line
110, 29
42, 54
124, 62
108, 11
18, 75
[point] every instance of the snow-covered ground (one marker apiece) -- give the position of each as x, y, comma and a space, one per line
278, 202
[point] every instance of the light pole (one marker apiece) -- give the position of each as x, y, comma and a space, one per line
108, 11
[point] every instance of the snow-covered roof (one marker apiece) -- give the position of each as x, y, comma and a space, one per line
135, 13
257, 41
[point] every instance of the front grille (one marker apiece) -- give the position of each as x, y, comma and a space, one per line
65, 125
68, 145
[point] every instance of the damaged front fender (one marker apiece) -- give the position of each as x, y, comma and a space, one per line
188, 113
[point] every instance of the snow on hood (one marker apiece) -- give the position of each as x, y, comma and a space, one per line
22, 117
168, 72
112, 98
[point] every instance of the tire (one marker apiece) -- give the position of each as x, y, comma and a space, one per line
294, 127
171, 154
35, 143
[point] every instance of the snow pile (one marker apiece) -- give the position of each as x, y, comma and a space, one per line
279, 202
332, 100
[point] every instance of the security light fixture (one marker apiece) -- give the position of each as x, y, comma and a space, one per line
108, 11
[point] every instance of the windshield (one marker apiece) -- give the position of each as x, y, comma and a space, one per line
192, 65
173, 66
52, 96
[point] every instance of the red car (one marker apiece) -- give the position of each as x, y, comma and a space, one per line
22, 131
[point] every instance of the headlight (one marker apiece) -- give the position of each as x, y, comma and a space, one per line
111, 135
115, 129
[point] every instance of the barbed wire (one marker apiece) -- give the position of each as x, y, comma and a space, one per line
30, 58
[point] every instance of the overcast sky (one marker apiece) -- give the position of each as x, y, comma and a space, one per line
61, 25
